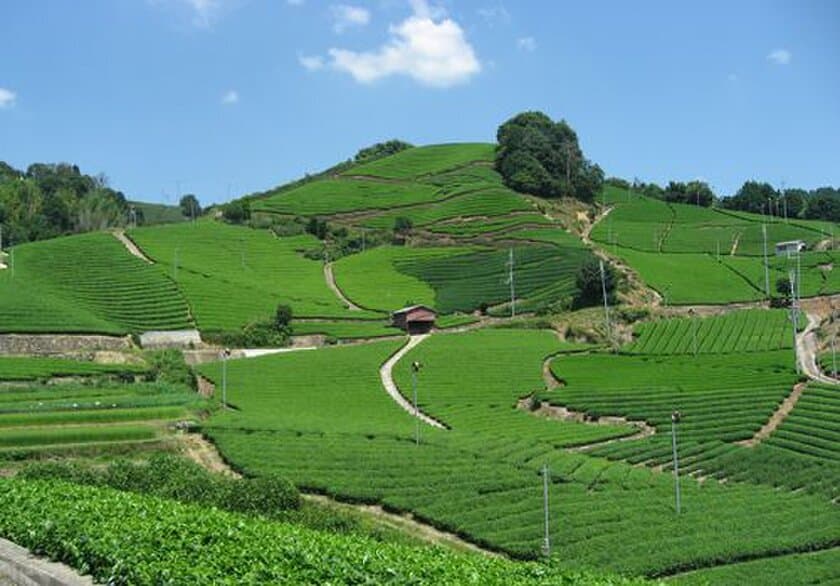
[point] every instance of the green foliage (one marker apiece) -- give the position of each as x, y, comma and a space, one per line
237, 212
590, 288
805, 568
49, 200
173, 477
21, 368
149, 214
539, 156
87, 283
117, 538
379, 150
694, 192
168, 366
283, 316
403, 225
345, 329
190, 207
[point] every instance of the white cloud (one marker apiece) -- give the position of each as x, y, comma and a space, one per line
205, 13
346, 16
527, 44
494, 14
427, 46
780, 56
230, 97
311, 62
7, 98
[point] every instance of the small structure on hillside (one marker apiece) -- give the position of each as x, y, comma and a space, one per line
170, 339
789, 248
415, 319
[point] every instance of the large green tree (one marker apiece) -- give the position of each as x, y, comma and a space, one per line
539, 156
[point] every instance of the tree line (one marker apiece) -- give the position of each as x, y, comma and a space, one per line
755, 197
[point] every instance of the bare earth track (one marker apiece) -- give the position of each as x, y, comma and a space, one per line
131, 246
330, 278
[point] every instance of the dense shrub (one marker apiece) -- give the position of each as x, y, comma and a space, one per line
168, 366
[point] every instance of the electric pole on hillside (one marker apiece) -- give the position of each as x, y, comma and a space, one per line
766, 266
175, 266
547, 538
833, 347
794, 317
675, 418
606, 305
511, 282
415, 368
225, 355
1, 237
784, 201
691, 316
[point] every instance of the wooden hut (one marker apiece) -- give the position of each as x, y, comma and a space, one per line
416, 319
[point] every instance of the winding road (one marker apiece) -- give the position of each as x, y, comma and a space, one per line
386, 374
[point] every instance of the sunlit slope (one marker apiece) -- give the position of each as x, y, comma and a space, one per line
234, 275
692, 254
87, 283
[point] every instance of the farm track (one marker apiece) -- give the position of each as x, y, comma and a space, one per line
203, 452
330, 278
131, 246
387, 377
806, 345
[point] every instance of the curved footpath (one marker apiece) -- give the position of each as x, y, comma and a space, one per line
386, 374
330, 278
131, 246
806, 351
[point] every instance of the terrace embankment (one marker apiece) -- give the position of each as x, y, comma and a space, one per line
60, 344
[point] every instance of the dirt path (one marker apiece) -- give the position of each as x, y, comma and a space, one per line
330, 278
131, 246
386, 375
588, 230
735, 244
201, 451
806, 350
406, 523
776, 419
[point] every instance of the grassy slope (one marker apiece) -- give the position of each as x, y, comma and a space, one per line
87, 283
235, 275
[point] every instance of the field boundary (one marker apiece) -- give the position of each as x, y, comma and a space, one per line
22, 567
330, 279
131, 246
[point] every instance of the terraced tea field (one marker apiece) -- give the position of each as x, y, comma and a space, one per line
427, 160
235, 275
741, 331
28, 368
458, 278
87, 283
53, 418
693, 254
479, 477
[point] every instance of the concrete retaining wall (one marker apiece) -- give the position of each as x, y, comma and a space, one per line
18, 566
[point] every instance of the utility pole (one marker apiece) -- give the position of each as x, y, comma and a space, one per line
1, 237
718, 250
794, 318
225, 356
833, 348
766, 266
512, 288
784, 201
606, 306
547, 537
175, 266
675, 418
693, 330
415, 368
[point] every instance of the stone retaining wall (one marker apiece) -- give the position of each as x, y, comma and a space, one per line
60, 344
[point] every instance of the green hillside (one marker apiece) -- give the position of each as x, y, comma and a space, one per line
693, 254
87, 283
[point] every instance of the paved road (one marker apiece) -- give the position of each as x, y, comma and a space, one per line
386, 374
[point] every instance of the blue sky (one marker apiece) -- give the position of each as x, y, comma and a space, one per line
221, 97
